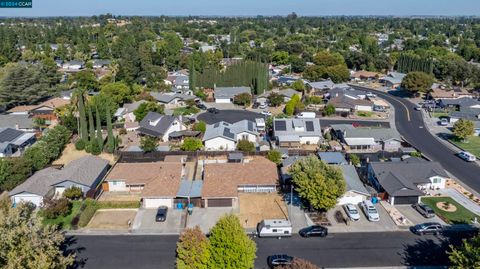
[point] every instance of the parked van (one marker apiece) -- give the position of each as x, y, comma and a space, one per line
274, 228
307, 115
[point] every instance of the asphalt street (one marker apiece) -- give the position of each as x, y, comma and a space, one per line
410, 125
337, 250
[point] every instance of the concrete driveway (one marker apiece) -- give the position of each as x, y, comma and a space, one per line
416, 218
145, 222
206, 218
385, 224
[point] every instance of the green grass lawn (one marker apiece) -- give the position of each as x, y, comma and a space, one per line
65, 222
461, 215
366, 114
472, 145
439, 114
185, 111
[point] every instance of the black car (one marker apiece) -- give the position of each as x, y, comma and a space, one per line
161, 214
213, 110
427, 228
202, 106
315, 230
279, 260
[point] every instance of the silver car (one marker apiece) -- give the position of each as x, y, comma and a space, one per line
352, 212
370, 211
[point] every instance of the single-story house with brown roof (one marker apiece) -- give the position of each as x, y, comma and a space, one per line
157, 182
223, 181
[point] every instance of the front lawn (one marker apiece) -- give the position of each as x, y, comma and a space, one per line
366, 114
460, 215
185, 111
65, 222
439, 114
472, 145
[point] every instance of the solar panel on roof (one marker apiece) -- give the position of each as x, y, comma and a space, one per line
280, 125
309, 125
9, 135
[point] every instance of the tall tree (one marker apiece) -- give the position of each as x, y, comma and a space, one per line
27, 243
462, 129
320, 184
110, 139
91, 125
230, 247
467, 255
417, 82
83, 117
99, 129
193, 250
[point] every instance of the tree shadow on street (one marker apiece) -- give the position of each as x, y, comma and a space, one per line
70, 246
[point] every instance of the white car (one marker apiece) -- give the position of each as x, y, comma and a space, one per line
352, 212
263, 106
266, 113
370, 211
443, 122
467, 156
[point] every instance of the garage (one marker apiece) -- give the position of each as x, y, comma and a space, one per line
27, 198
405, 200
156, 202
221, 202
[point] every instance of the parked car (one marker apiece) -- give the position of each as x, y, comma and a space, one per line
263, 106
255, 105
161, 214
418, 107
314, 231
213, 110
443, 122
424, 210
279, 260
427, 228
370, 211
352, 212
202, 106
266, 113
467, 156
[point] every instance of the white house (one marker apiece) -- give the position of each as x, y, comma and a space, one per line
294, 132
225, 136
85, 173
355, 191
225, 95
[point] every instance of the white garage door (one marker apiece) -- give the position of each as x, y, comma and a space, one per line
156, 202
350, 199
34, 199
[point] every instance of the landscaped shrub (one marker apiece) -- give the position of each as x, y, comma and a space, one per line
73, 193
87, 214
80, 144
56, 208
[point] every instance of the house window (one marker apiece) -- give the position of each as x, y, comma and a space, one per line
437, 180
114, 183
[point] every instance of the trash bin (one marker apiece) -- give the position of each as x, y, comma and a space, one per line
190, 209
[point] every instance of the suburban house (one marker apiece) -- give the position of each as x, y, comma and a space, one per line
157, 182
85, 173
406, 181
393, 79
286, 81
161, 126
287, 95
21, 122
346, 105
223, 181
73, 65
364, 75
225, 95
14, 142
459, 103
438, 92
171, 99
334, 158
355, 191
295, 132
320, 86
181, 82
225, 136
345, 90
44, 110
286, 164
363, 139
126, 111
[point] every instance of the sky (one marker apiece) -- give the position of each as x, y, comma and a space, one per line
247, 7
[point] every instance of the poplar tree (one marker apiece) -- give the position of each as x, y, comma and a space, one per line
99, 129
83, 118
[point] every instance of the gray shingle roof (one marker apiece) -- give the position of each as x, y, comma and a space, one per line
321, 85
462, 102
332, 157
401, 178
167, 98
379, 134
11, 120
82, 171
230, 92
155, 124
352, 180
229, 130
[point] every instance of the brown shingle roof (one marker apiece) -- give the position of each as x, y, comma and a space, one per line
161, 179
22, 108
223, 179
55, 102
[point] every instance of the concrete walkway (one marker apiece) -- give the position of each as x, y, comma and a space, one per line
297, 218
460, 198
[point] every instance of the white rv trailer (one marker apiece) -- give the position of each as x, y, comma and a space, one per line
274, 228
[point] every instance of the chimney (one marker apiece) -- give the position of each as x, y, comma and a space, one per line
17, 127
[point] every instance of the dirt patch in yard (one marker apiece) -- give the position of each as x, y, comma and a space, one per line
70, 153
112, 219
254, 207
119, 197
446, 206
